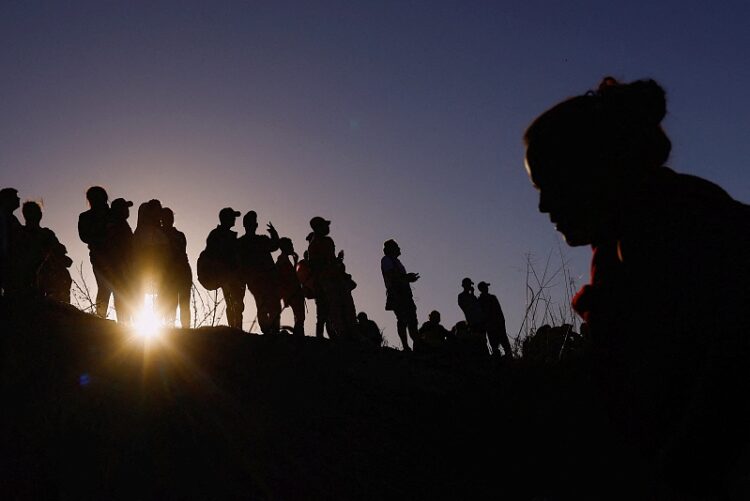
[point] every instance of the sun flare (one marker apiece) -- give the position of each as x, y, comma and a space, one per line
146, 323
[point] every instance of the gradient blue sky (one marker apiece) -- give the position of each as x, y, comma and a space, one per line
394, 119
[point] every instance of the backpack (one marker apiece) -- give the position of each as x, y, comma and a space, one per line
304, 275
209, 271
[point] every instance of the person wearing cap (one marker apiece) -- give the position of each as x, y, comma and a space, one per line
10, 230
494, 320
399, 297
120, 256
321, 257
221, 247
178, 279
307, 279
92, 230
472, 310
290, 288
259, 271
333, 285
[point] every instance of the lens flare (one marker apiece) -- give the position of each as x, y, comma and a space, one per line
146, 323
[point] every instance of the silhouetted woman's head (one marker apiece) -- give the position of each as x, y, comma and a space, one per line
286, 246
585, 152
97, 196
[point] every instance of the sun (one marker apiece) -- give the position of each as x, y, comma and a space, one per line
146, 323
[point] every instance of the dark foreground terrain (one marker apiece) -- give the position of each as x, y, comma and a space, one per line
89, 412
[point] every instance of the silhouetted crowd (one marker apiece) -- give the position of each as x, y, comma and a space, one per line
32, 259
151, 261
665, 309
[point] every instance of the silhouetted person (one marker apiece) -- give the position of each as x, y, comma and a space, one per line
399, 298
178, 280
221, 250
150, 252
470, 306
290, 287
92, 229
368, 330
432, 335
667, 302
120, 256
494, 320
307, 280
10, 230
44, 263
259, 271
332, 285
474, 342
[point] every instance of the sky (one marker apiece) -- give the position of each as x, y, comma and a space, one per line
395, 120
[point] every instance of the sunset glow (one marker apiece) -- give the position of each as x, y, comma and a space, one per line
146, 323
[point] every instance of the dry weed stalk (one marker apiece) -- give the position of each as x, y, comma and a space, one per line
542, 307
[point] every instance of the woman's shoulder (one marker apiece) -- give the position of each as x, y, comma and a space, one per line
689, 190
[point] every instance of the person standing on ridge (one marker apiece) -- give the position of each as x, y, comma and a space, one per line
179, 276
333, 285
474, 315
399, 298
307, 280
120, 245
92, 229
150, 252
10, 230
221, 251
259, 271
494, 320
290, 288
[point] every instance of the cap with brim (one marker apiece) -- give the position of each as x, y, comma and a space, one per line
121, 202
482, 285
228, 211
467, 280
319, 221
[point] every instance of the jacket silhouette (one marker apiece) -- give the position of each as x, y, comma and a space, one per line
494, 320
92, 230
432, 335
333, 286
666, 304
150, 252
178, 280
44, 263
10, 231
289, 286
259, 271
222, 260
368, 330
121, 260
470, 306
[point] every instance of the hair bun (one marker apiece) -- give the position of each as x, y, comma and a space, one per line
639, 103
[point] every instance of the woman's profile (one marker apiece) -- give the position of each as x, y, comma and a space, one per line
666, 303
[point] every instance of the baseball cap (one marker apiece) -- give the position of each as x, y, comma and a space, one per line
121, 202
228, 212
